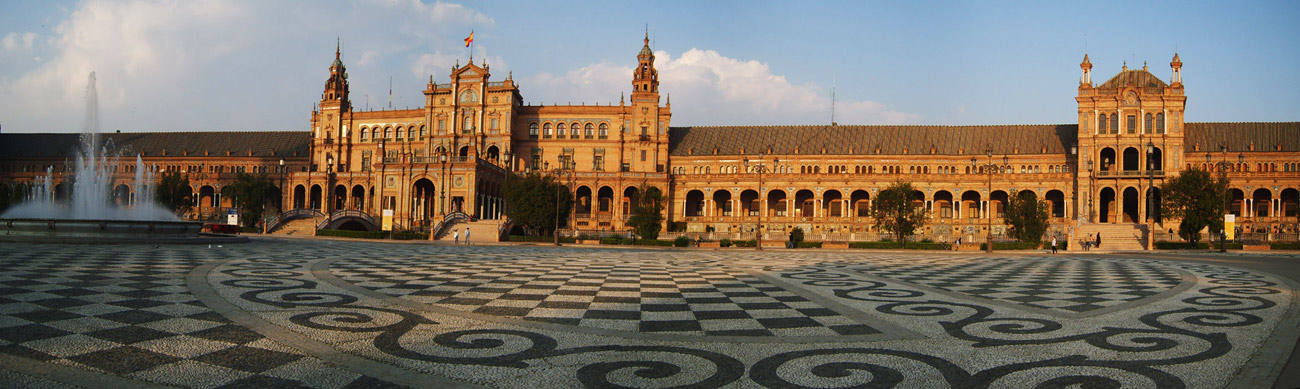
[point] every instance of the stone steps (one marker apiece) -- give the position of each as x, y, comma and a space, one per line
1118, 237
297, 227
479, 231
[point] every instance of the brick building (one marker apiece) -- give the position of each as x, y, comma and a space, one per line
452, 156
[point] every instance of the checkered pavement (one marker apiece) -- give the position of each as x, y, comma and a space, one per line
1066, 285
639, 295
125, 310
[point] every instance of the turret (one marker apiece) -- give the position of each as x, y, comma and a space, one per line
1177, 65
1086, 65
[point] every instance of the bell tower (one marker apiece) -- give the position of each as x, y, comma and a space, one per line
649, 121
329, 130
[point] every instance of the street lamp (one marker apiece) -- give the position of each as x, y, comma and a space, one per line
988, 216
1092, 184
442, 189
760, 167
1151, 199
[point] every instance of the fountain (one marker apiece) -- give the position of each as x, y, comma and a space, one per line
88, 215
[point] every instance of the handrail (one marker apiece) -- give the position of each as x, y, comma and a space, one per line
342, 214
291, 215
447, 221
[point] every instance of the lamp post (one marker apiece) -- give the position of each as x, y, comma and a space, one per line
1092, 184
988, 216
442, 189
281, 185
1151, 199
760, 167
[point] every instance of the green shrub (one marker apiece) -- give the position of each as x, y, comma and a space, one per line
410, 235
1165, 245
352, 234
1014, 245
538, 239
681, 241
742, 243
587, 237
1284, 246
796, 237
809, 245
724, 243
250, 230
885, 244
653, 242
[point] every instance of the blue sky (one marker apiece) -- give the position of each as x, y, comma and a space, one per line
257, 65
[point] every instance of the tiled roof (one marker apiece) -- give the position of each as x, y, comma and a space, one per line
845, 140
216, 143
1138, 78
1239, 136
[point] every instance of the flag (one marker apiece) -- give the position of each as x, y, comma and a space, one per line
470, 38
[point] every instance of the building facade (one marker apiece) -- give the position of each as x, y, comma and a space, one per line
452, 155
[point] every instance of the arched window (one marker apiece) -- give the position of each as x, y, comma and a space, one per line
559, 129
421, 131
364, 132
1150, 124
1101, 124
573, 130
604, 130
1114, 123
388, 133
588, 130
532, 130
410, 132
1160, 123
547, 128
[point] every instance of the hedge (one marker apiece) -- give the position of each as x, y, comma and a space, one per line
1284, 246
410, 235
1166, 245
1015, 246
894, 245
352, 234
810, 245
539, 239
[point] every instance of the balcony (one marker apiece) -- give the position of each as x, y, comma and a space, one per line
1131, 173
644, 138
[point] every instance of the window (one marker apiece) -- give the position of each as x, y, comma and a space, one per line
536, 162
388, 133
1101, 124
573, 130
1149, 124
469, 124
364, 132
559, 130
399, 133
1131, 124
410, 132
642, 155
604, 130
496, 124
598, 163
588, 131
532, 131
644, 130
1160, 123
1114, 123
442, 126
421, 131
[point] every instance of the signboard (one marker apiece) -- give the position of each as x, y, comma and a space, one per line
388, 220
1229, 221
232, 216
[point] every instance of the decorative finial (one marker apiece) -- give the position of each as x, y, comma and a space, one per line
1125, 65
338, 46
1144, 65
510, 75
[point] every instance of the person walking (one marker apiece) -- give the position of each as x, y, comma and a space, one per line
1053, 244
467, 236
455, 235
1098, 243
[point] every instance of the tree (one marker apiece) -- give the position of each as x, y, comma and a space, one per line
531, 202
1026, 217
174, 192
895, 211
647, 212
251, 195
1197, 198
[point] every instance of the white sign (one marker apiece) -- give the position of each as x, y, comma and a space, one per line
232, 216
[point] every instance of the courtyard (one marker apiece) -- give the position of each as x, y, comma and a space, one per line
337, 313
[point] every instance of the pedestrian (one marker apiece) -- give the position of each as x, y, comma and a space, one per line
1098, 243
467, 236
455, 235
1053, 244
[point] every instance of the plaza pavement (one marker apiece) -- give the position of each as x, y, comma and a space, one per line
341, 314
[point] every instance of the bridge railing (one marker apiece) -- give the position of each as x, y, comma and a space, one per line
291, 215
344, 214
447, 221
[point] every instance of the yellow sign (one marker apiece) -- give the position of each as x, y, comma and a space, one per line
1228, 226
388, 220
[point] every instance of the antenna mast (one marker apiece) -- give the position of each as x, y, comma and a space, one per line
833, 82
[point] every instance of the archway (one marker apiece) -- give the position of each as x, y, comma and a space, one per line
62, 191
970, 204
942, 204
694, 203
832, 203
1107, 161
776, 203
1237, 204
299, 196
583, 196
1106, 205
493, 154
861, 201
1156, 159
275, 198
604, 200
998, 203
629, 194
749, 202
1262, 202
358, 198
122, 195
1056, 199
340, 197
1132, 161
316, 197
227, 198
722, 202
803, 200
1290, 202
1130, 207
464, 151
423, 196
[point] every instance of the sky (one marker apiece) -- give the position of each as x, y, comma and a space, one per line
252, 65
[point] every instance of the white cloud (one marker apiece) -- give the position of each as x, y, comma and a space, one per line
15, 41
712, 89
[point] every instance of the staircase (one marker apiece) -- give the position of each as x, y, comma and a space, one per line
1114, 237
479, 231
297, 227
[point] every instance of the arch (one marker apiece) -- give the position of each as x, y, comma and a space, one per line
942, 204
532, 130
358, 200
227, 197
560, 129
805, 204
694, 203
122, 195
1056, 201
604, 200
1156, 159
316, 197
583, 197
1290, 199
776, 200
546, 130
722, 202
1129, 211
1106, 205
493, 153
833, 203
861, 201
1237, 202
1106, 159
630, 193
573, 130
299, 196
464, 151
749, 202
388, 132
423, 200
588, 131
365, 133
970, 204
1132, 161
604, 130
340, 197
998, 202
1262, 203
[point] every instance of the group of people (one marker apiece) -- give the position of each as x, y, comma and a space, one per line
456, 236
1092, 241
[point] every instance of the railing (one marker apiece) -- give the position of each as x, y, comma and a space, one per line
392, 159
644, 138
446, 222
291, 215
1131, 173
342, 214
